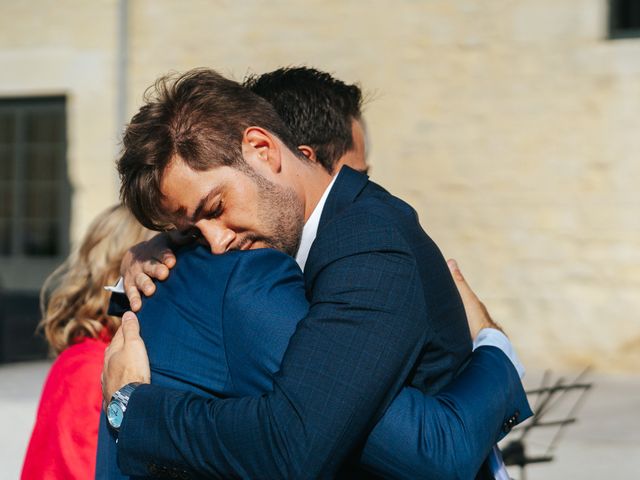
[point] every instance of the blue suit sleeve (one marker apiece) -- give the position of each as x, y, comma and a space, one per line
450, 434
344, 364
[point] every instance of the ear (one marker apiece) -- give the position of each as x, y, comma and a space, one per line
308, 152
261, 150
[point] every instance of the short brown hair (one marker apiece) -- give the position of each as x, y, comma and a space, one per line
198, 115
318, 109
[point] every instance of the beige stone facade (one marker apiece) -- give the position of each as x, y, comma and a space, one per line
513, 127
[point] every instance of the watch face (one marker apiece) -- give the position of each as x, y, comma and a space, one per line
114, 414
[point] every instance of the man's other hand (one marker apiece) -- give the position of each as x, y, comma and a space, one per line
125, 360
144, 262
477, 314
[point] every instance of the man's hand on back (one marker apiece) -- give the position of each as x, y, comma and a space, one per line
125, 360
145, 262
477, 314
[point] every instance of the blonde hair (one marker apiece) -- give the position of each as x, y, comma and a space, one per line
73, 301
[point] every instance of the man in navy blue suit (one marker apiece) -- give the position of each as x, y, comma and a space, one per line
383, 308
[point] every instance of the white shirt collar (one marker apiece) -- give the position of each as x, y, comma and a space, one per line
310, 229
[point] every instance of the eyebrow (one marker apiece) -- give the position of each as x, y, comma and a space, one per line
181, 211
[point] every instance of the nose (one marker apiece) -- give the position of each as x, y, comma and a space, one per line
218, 236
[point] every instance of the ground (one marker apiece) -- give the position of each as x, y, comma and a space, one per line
605, 443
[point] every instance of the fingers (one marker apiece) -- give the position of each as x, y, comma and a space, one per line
155, 269
141, 283
134, 297
463, 287
145, 284
168, 258
130, 327
141, 264
125, 360
455, 270
477, 314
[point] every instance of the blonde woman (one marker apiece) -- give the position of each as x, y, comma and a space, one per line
78, 329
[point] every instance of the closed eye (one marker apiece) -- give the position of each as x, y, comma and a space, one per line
216, 212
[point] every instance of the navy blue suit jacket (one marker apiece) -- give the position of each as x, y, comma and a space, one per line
383, 313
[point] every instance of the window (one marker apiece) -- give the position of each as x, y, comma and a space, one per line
34, 190
624, 18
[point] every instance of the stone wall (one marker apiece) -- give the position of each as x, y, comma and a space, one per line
511, 126
67, 48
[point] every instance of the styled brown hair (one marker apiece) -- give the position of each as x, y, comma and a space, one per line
318, 108
198, 115
73, 300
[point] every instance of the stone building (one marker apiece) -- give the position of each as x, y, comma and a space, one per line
511, 125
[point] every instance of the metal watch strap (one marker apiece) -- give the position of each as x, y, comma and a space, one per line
121, 398
124, 394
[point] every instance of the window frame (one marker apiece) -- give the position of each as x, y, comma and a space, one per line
615, 32
20, 107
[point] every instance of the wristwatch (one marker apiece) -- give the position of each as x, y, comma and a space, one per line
118, 405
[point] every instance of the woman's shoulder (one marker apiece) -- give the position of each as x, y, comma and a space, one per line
85, 355
85, 346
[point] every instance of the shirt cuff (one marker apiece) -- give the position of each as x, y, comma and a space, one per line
490, 337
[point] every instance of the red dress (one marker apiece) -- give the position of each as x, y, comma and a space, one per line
65, 436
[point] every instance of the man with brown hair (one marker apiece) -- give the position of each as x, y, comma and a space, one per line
208, 157
324, 114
